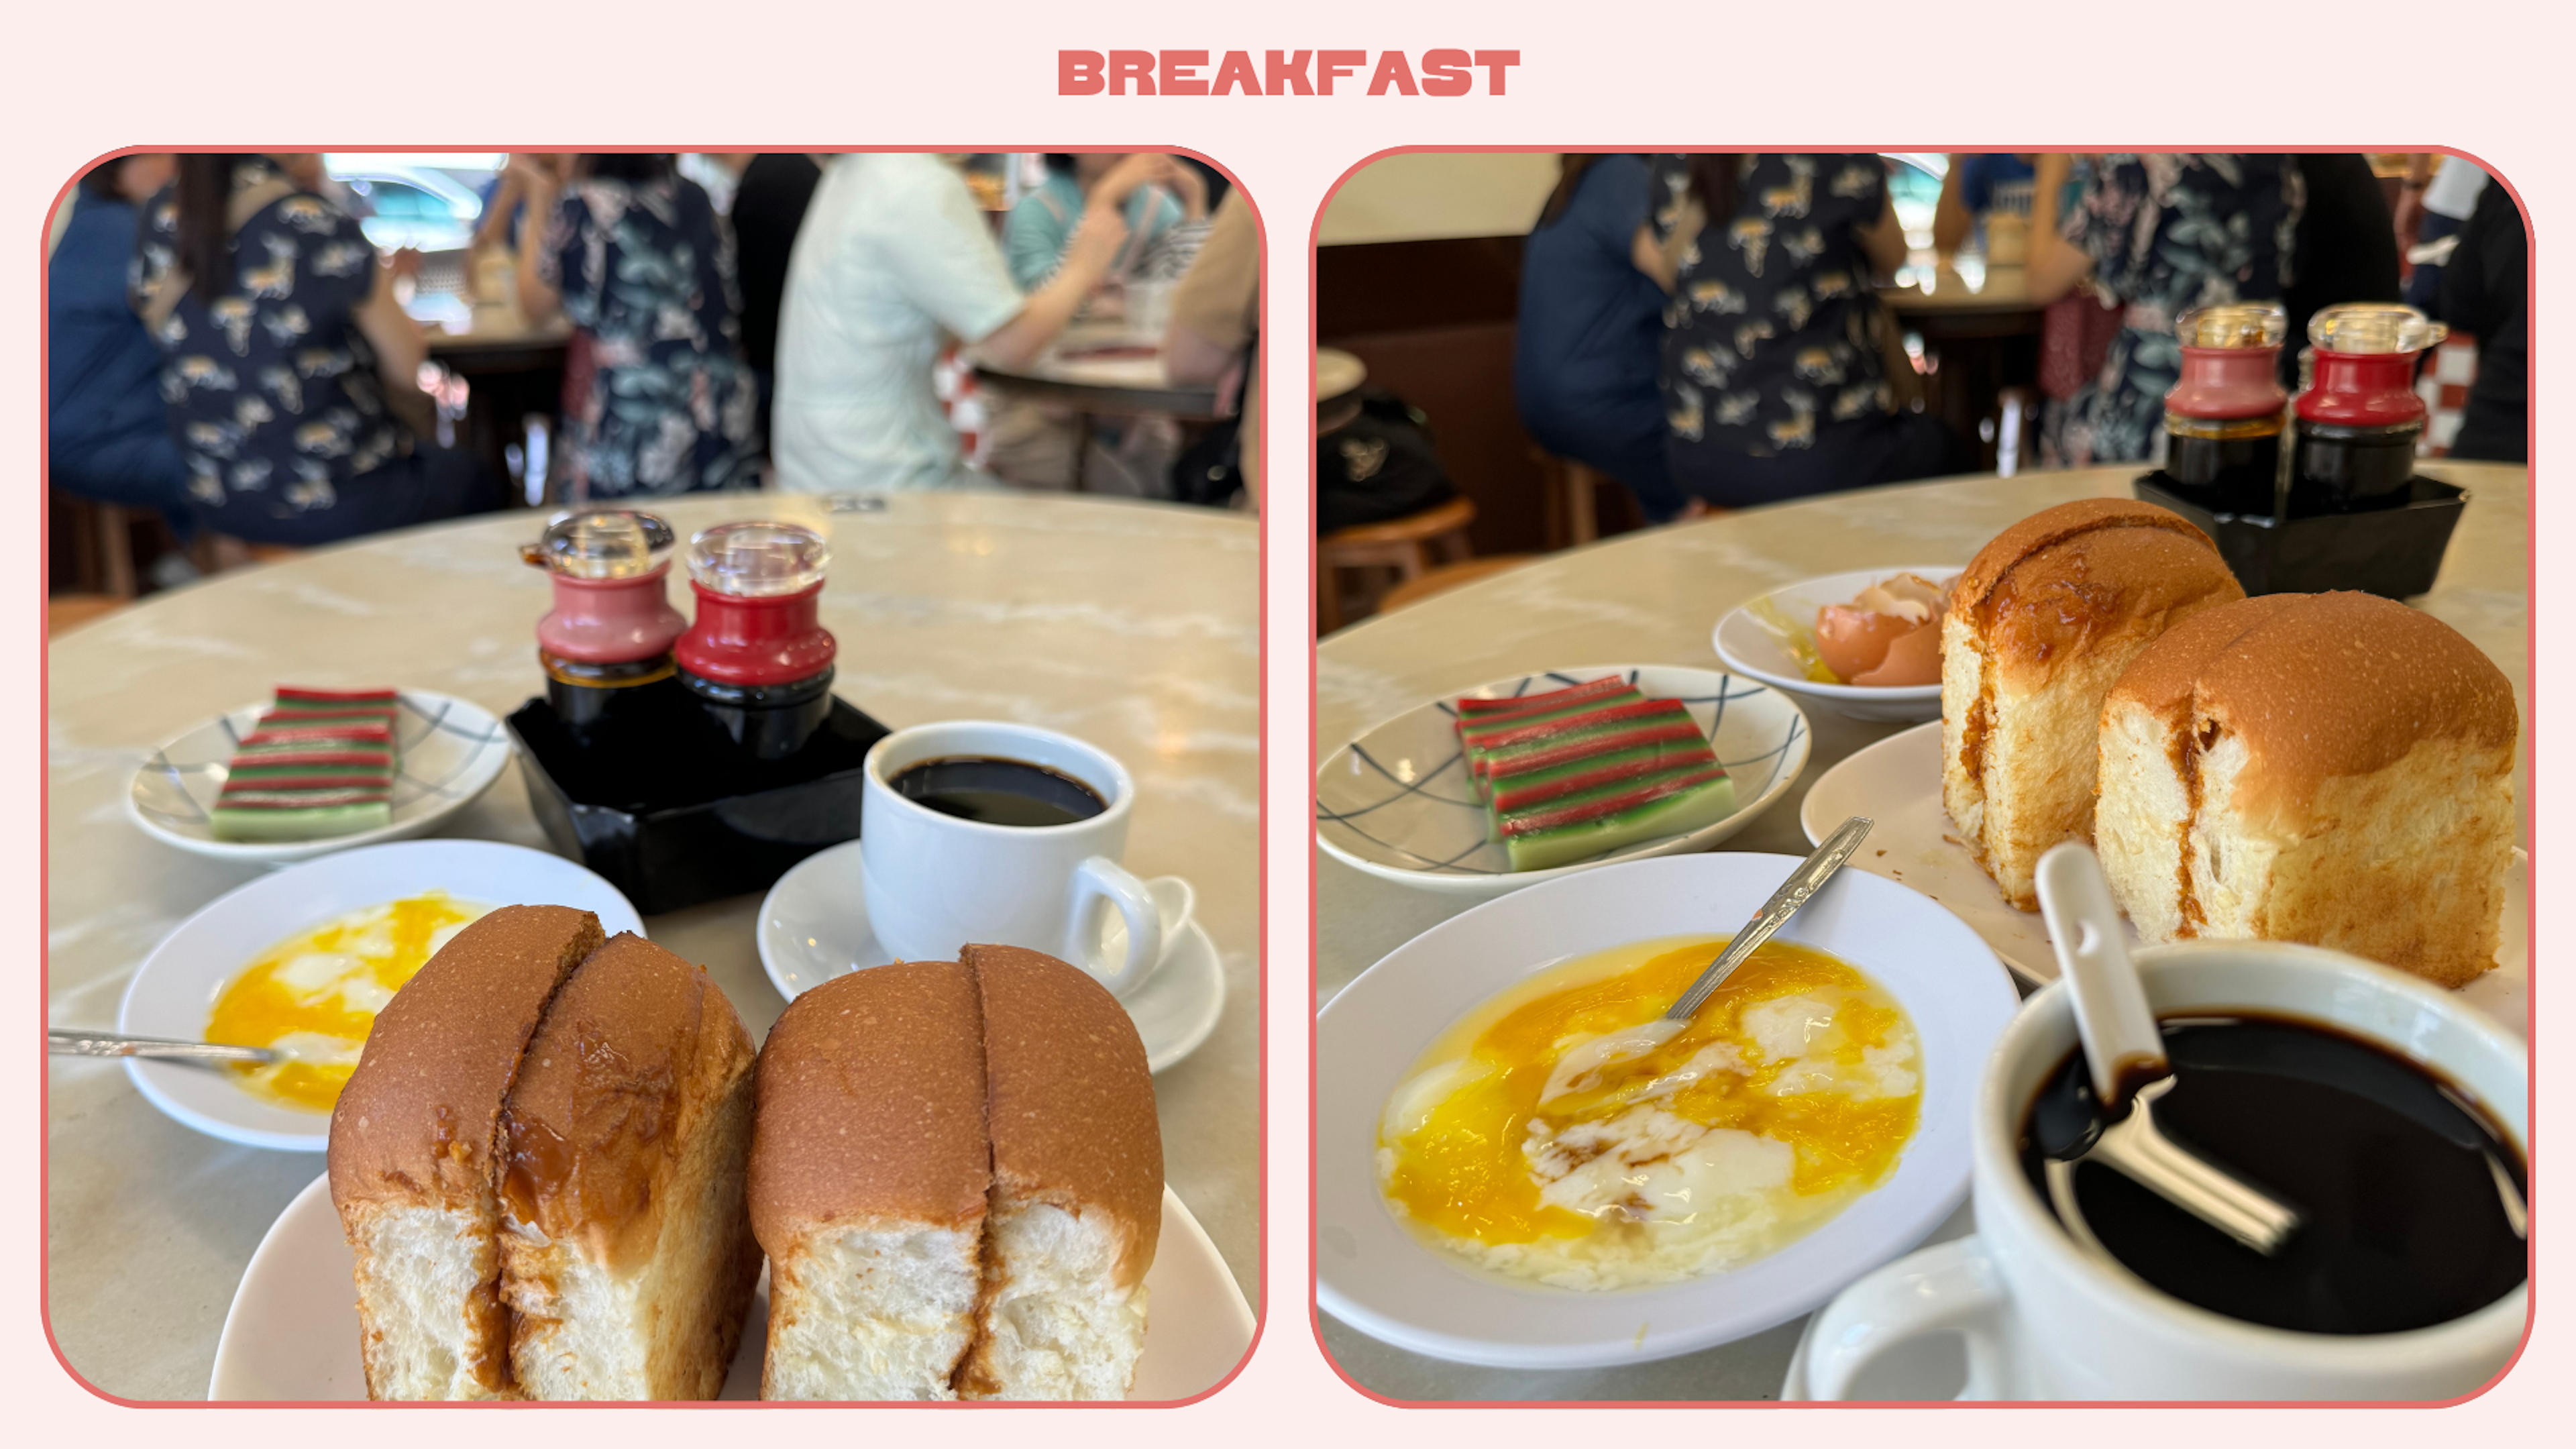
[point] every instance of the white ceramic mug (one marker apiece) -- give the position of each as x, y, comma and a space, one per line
935, 882
2043, 1319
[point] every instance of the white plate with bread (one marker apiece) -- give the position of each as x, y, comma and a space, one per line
176, 987
1751, 647
1395, 802
449, 752
291, 1335
560, 1163
2334, 769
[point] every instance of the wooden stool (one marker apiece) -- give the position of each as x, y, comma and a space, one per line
70, 611
1408, 546
102, 539
1573, 499
216, 552
1449, 576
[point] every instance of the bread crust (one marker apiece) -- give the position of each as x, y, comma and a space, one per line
871, 1106
2051, 526
1070, 1097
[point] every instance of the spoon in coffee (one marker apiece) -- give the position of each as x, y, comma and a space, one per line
1580, 1068
2124, 1048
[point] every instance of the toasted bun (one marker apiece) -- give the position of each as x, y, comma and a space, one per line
1071, 1099
418, 1120
2104, 585
2319, 687
637, 1049
871, 1105
2052, 526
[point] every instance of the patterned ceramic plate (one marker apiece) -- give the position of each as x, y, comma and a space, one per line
1395, 802
451, 751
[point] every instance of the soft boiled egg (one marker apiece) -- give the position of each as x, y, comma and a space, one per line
1791, 1093
316, 995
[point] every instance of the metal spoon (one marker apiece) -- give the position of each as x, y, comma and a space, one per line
62, 1043
2126, 1053
1578, 1069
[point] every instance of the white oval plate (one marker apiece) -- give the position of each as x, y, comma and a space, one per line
813, 926
449, 752
291, 1335
1395, 801
1748, 648
176, 988
1897, 782
1377, 1277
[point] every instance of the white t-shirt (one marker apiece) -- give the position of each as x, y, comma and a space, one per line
894, 258
2455, 188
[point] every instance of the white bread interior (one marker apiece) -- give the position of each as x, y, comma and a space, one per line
1059, 1324
430, 1327
872, 1312
2296, 835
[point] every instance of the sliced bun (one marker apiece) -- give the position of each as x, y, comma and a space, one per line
627, 1250
869, 1170
1077, 1191
413, 1152
2041, 623
2334, 768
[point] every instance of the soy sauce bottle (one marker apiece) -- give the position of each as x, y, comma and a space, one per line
2224, 418
607, 646
757, 657
2359, 419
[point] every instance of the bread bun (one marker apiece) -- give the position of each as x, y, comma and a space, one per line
2329, 768
2041, 623
413, 1152
627, 1251
869, 1173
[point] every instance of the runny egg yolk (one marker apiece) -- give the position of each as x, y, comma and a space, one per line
317, 994
1797, 1080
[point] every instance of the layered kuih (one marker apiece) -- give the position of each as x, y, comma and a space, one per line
320, 764
1595, 768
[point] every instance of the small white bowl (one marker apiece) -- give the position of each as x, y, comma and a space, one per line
1749, 648
449, 752
1374, 1275
176, 988
1395, 801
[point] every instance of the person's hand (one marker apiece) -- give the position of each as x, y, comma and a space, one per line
2409, 216
405, 262
1187, 184
1144, 168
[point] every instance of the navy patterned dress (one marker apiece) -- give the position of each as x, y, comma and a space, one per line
272, 389
2169, 232
646, 271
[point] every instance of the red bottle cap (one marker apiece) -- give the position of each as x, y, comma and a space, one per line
759, 588
2230, 362
2364, 356
612, 605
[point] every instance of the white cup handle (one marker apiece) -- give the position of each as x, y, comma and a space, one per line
1949, 1287
1099, 877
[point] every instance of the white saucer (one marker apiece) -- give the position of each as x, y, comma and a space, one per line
1897, 782
814, 926
291, 1335
177, 985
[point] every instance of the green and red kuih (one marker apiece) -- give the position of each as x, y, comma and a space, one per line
1595, 767
320, 763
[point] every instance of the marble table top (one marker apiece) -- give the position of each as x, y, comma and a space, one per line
1133, 625
1654, 597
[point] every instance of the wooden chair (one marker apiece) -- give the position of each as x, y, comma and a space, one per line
70, 611
1407, 547
1573, 499
1449, 576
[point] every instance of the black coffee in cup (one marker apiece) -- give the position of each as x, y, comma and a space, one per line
997, 791
2414, 1201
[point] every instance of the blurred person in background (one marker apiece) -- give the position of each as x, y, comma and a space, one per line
635, 255
2346, 250
2435, 200
2486, 293
290, 374
1164, 203
505, 196
893, 262
1590, 336
2156, 234
1210, 342
768, 209
107, 435
1968, 193
1774, 371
